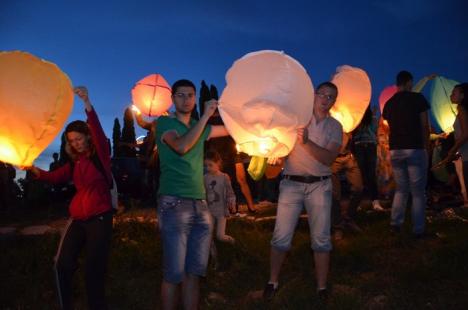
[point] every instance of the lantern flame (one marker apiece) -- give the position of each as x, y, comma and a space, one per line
265, 146
267, 97
136, 110
7, 152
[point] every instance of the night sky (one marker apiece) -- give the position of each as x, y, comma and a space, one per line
110, 45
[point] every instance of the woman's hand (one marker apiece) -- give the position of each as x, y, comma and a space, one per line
82, 92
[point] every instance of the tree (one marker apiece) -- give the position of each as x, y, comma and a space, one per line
116, 138
128, 140
204, 96
214, 92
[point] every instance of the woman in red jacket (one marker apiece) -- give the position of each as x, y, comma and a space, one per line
90, 223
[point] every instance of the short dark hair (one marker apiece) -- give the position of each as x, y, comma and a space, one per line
329, 85
464, 89
213, 155
182, 83
78, 126
403, 77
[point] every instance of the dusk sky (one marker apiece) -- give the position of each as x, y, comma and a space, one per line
110, 45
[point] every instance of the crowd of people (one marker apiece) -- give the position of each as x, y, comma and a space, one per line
201, 179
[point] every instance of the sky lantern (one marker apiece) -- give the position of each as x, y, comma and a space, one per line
354, 94
36, 98
442, 108
152, 95
386, 94
267, 97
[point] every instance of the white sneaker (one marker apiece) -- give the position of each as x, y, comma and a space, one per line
376, 206
241, 214
228, 239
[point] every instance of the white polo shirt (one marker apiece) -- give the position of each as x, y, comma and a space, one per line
300, 162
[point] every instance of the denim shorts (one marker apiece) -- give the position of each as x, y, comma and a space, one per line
186, 228
316, 198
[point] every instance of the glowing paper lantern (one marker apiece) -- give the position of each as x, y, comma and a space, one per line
354, 93
36, 99
386, 94
152, 95
443, 110
267, 97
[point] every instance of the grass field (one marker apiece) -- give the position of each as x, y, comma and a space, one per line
370, 270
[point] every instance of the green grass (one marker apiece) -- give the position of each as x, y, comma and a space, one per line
371, 270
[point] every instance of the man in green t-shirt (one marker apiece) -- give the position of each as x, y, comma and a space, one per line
184, 219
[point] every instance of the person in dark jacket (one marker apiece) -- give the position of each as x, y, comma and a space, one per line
90, 223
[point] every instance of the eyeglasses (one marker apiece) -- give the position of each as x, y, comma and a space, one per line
184, 96
328, 97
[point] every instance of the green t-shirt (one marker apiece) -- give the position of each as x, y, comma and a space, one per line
181, 175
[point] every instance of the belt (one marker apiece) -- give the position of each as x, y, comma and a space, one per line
306, 178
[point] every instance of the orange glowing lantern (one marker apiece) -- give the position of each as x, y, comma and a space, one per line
36, 98
152, 95
354, 94
268, 96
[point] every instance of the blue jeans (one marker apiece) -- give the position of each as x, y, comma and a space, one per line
317, 200
410, 173
186, 229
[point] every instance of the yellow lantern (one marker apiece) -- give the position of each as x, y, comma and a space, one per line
354, 94
267, 97
152, 95
36, 98
442, 108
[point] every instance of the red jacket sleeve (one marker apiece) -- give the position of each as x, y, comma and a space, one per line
60, 175
100, 140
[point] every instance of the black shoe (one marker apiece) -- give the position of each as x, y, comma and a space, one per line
253, 211
269, 292
322, 295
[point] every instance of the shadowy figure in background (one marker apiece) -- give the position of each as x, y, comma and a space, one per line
364, 149
55, 163
459, 96
7, 186
149, 152
407, 115
345, 210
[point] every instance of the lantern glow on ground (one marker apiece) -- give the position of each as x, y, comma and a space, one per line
36, 99
267, 97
